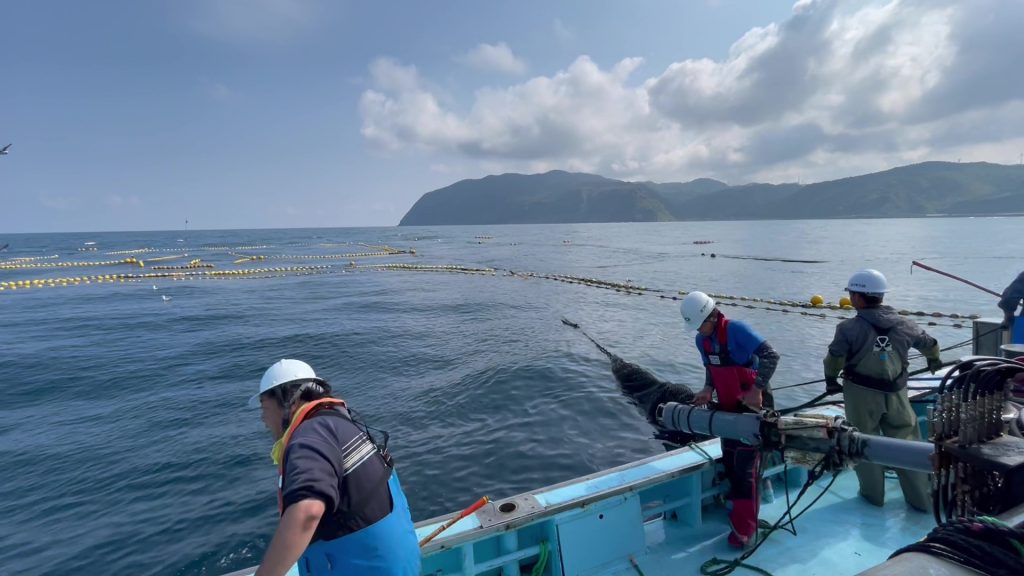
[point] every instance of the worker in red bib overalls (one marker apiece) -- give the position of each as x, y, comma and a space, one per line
739, 363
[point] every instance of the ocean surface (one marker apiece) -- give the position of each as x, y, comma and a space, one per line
127, 446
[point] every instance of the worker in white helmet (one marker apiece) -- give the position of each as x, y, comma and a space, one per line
870, 350
342, 508
738, 366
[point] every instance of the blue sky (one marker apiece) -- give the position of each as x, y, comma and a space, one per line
264, 113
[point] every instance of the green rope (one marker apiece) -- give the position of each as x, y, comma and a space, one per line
709, 567
636, 566
1001, 524
697, 448
542, 561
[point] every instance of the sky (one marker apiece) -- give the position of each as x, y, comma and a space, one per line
128, 115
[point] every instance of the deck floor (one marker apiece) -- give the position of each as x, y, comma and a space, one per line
840, 535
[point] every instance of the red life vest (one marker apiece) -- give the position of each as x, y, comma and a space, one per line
299, 418
730, 379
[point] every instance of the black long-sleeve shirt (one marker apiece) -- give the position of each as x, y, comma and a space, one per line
1012, 295
330, 459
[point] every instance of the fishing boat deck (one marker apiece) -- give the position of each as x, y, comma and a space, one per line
841, 534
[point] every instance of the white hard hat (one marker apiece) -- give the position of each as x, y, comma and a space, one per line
696, 308
868, 281
282, 372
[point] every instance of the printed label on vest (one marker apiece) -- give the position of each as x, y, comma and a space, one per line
883, 346
882, 363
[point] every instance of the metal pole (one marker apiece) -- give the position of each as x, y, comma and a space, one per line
690, 419
905, 454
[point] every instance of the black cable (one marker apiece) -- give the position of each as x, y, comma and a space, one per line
789, 506
911, 357
725, 567
982, 544
815, 405
968, 381
798, 384
959, 344
910, 374
809, 403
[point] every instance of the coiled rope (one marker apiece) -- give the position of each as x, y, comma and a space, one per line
984, 544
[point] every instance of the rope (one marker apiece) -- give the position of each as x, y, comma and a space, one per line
172, 273
425, 268
819, 381
984, 544
384, 251
636, 566
542, 560
910, 357
795, 304
24, 259
719, 567
696, 447
185, 249
22, 266
809, 404
816, 401
822, 315
211, 274
195, 264
627, 288
806, 309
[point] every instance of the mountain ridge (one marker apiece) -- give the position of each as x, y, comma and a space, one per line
558, 196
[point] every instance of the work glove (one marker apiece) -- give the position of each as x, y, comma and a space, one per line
934, 365
1007, 321
753, 398
703, 397
832, 385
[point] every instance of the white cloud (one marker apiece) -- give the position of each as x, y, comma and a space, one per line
401, 111
252, 21
833, 90
494, 58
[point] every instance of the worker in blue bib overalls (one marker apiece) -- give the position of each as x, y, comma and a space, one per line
342, 509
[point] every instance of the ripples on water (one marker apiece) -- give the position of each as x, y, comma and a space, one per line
127, 446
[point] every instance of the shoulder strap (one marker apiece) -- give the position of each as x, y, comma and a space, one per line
382, 447
350, 517
297, 421
303, 413
878, 330
721, 332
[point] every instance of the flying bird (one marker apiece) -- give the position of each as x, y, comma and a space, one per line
3, 151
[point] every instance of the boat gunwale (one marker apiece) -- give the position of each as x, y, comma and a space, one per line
712, 445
